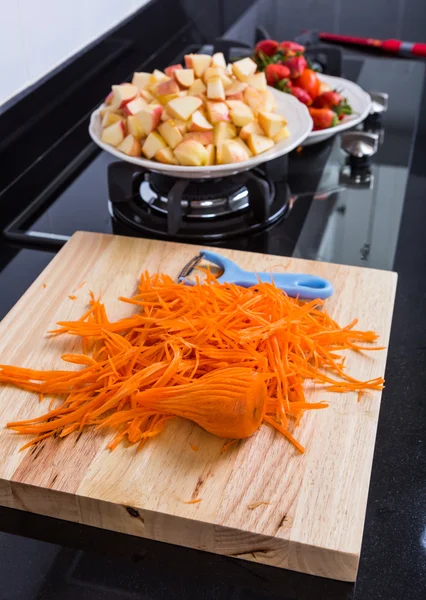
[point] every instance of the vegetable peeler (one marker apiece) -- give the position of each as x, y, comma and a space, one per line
296, 285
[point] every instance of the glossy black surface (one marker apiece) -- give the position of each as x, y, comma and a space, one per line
389, 220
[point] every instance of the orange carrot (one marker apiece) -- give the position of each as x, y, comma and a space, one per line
72, 297
223, 356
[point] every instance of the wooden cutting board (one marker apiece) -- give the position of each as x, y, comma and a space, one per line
261, 500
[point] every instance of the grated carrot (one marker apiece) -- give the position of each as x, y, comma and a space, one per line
194, 447
196, 501
72, 297
223, 356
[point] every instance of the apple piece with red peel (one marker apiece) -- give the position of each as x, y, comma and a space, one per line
165, 116
213, 72
152, 144
164, 100
258, 81
283, 134
237, 87
238, 96
156, 78
182, 108
218, 60
218, 111
232, 152
150, 117
200, 62
145, 95
191, 154
170, 133
199, 122
188, 60
141, 80
259, 143
223, 131
211, 154
169, 71
254, 99
130, 146
271, 123
134, 106
114, 134
203, 137
241, 115
242, 69
198, 87
252, 127
215, 89
184, 77
135, 128
167, 87
122, 94
166, 156
109, 118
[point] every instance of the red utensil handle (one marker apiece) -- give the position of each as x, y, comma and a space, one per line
394, 46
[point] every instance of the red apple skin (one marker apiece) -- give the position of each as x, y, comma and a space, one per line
188, 61
169, 70
167, 87
203, 137
238, 96
150, 123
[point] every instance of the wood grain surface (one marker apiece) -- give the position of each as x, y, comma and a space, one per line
261, 500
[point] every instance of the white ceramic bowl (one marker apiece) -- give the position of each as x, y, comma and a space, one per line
356, 97
299, 124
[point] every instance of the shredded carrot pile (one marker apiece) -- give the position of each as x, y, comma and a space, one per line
204, 352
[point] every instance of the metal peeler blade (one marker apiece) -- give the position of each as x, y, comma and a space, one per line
190, 266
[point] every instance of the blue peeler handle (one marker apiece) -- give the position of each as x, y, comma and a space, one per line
294, 284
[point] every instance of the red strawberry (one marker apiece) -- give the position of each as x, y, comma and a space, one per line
335, 101
291, 48
301, 95
323, 118
266, 47
275, 73
296, 64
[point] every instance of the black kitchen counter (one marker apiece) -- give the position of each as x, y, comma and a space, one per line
43, 558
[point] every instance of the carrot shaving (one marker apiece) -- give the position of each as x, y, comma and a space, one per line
194, 447
226, 357
44, 285
80, 285
254, 505
72, 297
195, 501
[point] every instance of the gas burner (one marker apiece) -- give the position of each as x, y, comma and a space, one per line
183, 209
202, 199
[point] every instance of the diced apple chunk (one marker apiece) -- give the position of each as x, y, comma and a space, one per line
134, 106
122, 94
200, 62
252, 127
114, 134
135, 128
223, 131
182, 108
232, 152
109, 118
242, 115
191, 153
170, 133
130, 146
215, 89
203, 137
268, 99
150, 117
198, 87
271, 123
152, 144
218, 111
211, 154
257, 81
141, 80
213, 72
184, 77
199, 122
283, 134
259, 143
218, 60
254, 99
243, 68
237, 87
169, 71
146, 95
166, 88
243, 145
166, 156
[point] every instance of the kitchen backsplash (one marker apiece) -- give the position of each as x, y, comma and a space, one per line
37, 35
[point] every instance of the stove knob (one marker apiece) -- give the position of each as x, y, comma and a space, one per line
360, 146
379, 103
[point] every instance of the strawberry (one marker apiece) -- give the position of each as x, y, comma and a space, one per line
323, 118
301, 95
291, 48
275, 73
334, 101
266, 47
296, 64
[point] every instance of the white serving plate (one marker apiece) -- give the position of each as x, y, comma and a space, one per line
357, 98
299, 124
